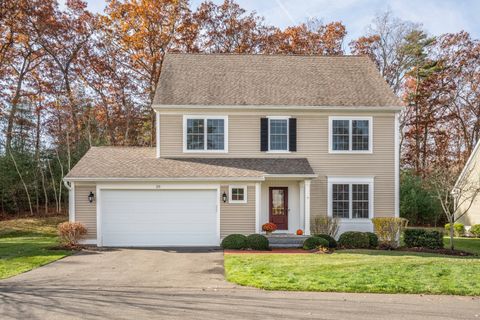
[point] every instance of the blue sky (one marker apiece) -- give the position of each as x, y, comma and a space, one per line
437, 16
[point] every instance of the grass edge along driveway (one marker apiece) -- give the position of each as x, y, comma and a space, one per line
367, 271
26, 244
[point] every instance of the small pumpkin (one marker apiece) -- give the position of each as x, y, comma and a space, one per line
299, 232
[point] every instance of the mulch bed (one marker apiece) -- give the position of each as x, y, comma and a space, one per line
444, 251
273, 251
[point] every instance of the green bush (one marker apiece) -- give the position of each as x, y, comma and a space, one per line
258, 242
458, 229
475, 230
235, 241
422, 238
354, 240
314, 242
372, 239
418, 202
332, 243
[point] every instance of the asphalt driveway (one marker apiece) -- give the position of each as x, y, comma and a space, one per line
189, 284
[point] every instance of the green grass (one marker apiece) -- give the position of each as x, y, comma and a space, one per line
26, 244
466, 244
357, 271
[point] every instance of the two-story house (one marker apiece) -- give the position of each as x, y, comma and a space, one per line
243, 140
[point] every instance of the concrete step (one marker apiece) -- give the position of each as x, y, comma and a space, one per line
280, 245
286, 241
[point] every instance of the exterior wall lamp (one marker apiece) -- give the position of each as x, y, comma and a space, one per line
91, 196
224, 197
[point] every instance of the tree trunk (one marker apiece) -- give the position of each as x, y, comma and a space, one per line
23, 182
451, 236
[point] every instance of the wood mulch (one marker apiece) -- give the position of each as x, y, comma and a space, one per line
273, 251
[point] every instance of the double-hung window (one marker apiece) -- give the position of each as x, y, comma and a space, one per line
350, 198
278, 134
350, 134
205, 134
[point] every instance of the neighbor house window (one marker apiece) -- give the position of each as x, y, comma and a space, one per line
205, 134
238, 194
278, 134
350, 134
350, 199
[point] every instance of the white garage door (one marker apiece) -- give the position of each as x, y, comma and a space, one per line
159, 217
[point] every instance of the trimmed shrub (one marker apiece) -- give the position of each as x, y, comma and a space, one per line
314, 242
71, 233
422, 238
258, 242
388, 230
475, 230
354, 240
458, 229
235, 241
332, 243
372, 239
325, 225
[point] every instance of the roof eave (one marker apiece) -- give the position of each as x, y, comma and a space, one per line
153, 179
394, 108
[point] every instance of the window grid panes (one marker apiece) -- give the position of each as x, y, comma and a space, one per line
195, 134
341, 197
341, 138
238, 194
215, 134
279, 134
350, 135
360, 201
205, 134
360, 135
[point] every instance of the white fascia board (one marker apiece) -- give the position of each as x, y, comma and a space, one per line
159, 107
107, 179
467, 164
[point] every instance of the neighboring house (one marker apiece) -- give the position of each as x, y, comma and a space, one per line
469, 180
243, 140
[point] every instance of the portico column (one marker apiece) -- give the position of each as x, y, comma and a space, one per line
307, 206
258, 197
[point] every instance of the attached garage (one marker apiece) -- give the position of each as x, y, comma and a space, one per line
159, 217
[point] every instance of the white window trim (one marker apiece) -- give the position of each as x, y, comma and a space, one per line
245, 191
288, 133
205, 118
350, 118
350, 181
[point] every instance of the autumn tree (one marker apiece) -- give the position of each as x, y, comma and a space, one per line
312, 37
384, 42
144, 31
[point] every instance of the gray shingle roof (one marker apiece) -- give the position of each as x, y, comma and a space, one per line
139, 162
236, 79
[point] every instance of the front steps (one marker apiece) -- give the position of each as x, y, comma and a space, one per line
283, 240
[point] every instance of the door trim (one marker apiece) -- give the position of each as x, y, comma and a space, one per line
270, 189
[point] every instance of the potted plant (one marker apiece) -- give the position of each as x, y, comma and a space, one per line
269, 227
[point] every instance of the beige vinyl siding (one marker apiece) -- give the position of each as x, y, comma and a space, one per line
237, 217
86, 212
312, 143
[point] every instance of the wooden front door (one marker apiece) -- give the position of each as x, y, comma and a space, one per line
278, 207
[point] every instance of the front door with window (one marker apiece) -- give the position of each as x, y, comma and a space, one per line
279, 207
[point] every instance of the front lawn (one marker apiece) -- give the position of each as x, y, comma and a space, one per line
357, 271
26, 244
466, 244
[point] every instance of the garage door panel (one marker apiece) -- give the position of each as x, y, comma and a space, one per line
159, 217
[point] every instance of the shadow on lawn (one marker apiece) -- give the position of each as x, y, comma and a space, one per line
399, 253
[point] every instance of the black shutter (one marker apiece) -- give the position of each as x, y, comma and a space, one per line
264, 134
292, 128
